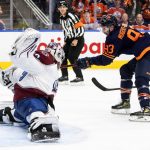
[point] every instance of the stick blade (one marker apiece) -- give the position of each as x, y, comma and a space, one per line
97, 84
101, 87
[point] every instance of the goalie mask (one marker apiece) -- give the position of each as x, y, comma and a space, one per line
56, 51
26, 42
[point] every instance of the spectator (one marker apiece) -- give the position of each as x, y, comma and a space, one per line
101, 8
139, 23
128, 6
117, 11
79, 6
125, 19
88, 21
110, 3
146, 11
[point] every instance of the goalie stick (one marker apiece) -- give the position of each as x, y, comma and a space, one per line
100, 86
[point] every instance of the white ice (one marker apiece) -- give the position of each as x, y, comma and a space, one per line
85, 119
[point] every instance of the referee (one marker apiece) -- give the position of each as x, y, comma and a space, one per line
73, 41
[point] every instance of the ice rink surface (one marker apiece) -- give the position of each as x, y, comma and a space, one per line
86, 122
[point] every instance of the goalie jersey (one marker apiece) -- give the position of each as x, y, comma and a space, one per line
36, 75
123, 40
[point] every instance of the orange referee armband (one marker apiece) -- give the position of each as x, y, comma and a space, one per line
78, 25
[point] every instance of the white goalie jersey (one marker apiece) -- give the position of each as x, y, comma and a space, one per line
45, 81
35, 72
36, 77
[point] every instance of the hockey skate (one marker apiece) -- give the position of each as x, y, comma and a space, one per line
44, 128
77, 81
122, 108
141, 116
44, 133
63, 80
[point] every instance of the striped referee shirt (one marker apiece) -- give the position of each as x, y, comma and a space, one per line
73, 28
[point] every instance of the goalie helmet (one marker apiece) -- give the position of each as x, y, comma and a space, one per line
56, 51
26, 42
108, 20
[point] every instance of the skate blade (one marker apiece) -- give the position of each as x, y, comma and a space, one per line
45, 138
50, 140
120, 111
139, 118
77, 83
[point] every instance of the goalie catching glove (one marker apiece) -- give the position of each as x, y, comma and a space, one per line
26, 43
83, 63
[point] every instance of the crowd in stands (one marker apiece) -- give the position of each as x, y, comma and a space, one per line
135, 13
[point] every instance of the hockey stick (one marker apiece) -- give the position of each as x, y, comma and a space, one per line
100, 86
66, 66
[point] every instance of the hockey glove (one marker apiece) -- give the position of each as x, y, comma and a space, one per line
26, 43
83, 63
5, 80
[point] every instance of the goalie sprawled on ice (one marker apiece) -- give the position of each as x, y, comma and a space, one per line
33, 79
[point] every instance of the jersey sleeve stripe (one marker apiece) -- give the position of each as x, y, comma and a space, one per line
143, 53
108, 56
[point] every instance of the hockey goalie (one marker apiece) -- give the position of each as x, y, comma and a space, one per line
34, 81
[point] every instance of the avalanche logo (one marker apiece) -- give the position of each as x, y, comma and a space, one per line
23, 75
